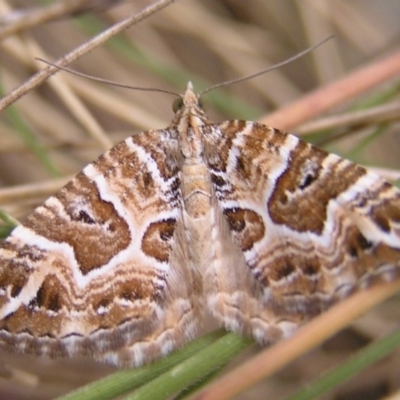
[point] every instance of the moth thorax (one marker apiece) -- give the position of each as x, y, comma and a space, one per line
196, 189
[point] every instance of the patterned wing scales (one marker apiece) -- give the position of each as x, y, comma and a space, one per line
248, 223
89, 272
311, 227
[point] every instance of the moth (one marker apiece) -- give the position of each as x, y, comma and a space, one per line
234, 221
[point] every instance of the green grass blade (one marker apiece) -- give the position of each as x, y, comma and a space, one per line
127, 380
366, 357
193, 370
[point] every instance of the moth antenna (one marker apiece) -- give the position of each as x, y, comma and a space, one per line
106, 81
218, 85
264, 71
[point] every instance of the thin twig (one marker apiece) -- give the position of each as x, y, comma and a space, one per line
338, 92
42, 75
21, 20
46, 188
377, 115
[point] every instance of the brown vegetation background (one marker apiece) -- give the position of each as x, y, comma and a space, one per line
55, 130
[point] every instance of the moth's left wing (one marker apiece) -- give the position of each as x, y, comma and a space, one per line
97, 270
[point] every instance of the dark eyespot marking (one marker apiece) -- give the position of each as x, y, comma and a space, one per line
308, 180
85, 217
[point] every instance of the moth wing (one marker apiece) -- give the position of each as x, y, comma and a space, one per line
90, 271
311, 228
